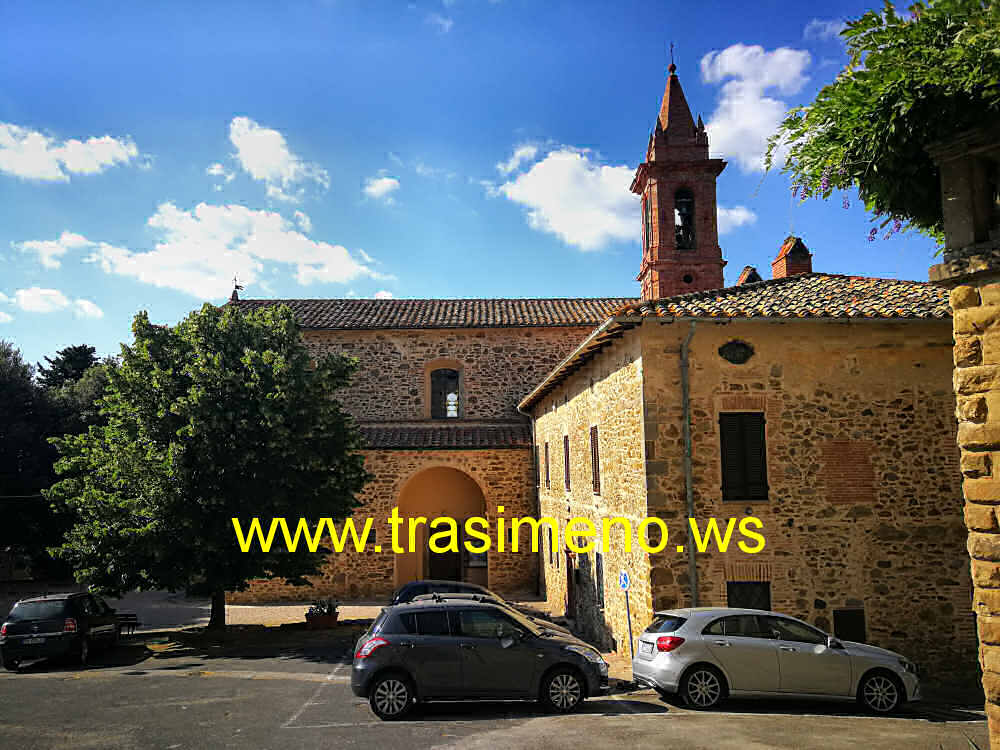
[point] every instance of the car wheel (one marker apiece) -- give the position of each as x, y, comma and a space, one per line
11, 665
84, 654
391, 697
880, 693
562, 690
702, 688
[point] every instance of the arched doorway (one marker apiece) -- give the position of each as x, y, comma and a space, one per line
432, 493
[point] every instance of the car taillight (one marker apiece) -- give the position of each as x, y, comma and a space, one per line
3, 629
668, 642
69, 626
369, 646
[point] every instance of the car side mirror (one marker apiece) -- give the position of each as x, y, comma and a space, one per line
832, 642
507, 641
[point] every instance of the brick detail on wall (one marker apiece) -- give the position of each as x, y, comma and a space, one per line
847, 471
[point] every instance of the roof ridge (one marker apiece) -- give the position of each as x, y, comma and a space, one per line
272, 300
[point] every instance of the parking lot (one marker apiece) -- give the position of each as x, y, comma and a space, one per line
297, 694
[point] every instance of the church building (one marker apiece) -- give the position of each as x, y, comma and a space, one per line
819, 403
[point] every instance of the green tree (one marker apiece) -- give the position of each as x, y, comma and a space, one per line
912, 80
221, 416
68, 366
26, 417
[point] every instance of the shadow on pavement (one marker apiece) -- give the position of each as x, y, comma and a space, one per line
937, 711
493, 710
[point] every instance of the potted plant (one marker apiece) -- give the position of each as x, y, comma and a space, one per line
322, 614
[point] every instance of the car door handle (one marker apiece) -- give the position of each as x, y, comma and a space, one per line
406, 644
722, 643
788, 648
466, 645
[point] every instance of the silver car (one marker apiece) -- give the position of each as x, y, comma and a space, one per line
706, 654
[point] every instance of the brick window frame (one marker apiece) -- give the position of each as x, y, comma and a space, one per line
595, 459
566, 472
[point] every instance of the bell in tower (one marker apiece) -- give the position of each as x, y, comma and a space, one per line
676, 184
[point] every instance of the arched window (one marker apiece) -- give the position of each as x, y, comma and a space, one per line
684, 219
444, 394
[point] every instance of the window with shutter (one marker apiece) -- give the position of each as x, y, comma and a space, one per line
595, 460
599, 578
749, 594
566, 460
744, 456
444, 394
548, 483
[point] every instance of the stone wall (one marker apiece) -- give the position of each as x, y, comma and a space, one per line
977, 388
864, 497
506, 477
499, 366
607, 394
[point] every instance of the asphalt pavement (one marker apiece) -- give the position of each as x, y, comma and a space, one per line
297, 694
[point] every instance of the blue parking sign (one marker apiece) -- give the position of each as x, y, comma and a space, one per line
623, 580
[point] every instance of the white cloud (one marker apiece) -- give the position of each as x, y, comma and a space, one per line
381, 188
443, 23
218, 170
585, 204
265, 155
745, 116
819, 28
87, 309
200, 250
735, 217
304, 222
383, 294
524, 152
49, 251
40, 300
33, 155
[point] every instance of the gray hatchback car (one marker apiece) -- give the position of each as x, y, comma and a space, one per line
461, 650
706, 654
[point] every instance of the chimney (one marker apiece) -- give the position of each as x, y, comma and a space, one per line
748, 275
793, 259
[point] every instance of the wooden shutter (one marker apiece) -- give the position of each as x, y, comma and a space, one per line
744, 456
595, 460
566, 460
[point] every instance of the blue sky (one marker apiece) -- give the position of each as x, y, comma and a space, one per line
465, 148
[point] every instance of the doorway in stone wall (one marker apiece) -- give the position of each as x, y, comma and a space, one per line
437, 492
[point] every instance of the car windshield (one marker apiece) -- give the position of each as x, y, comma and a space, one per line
37, 611
665, 623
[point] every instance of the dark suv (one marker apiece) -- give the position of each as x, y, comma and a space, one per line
463, 649
408, 592
54, 626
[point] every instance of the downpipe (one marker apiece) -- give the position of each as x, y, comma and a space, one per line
688, 481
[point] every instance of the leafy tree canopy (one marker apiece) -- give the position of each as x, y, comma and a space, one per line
68, 365
221, 416
912, 80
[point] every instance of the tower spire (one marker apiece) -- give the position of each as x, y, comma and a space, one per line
680, 242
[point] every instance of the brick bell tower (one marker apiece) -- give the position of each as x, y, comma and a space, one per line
680, 238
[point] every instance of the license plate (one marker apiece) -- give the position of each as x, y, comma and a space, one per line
33, 641
645, 648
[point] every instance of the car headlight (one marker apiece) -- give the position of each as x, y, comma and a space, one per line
908, 666
587, 653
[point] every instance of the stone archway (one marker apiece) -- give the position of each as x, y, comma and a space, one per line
435, 492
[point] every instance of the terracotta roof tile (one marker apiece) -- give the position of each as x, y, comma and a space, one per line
813, 295
346, 314
445, 437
